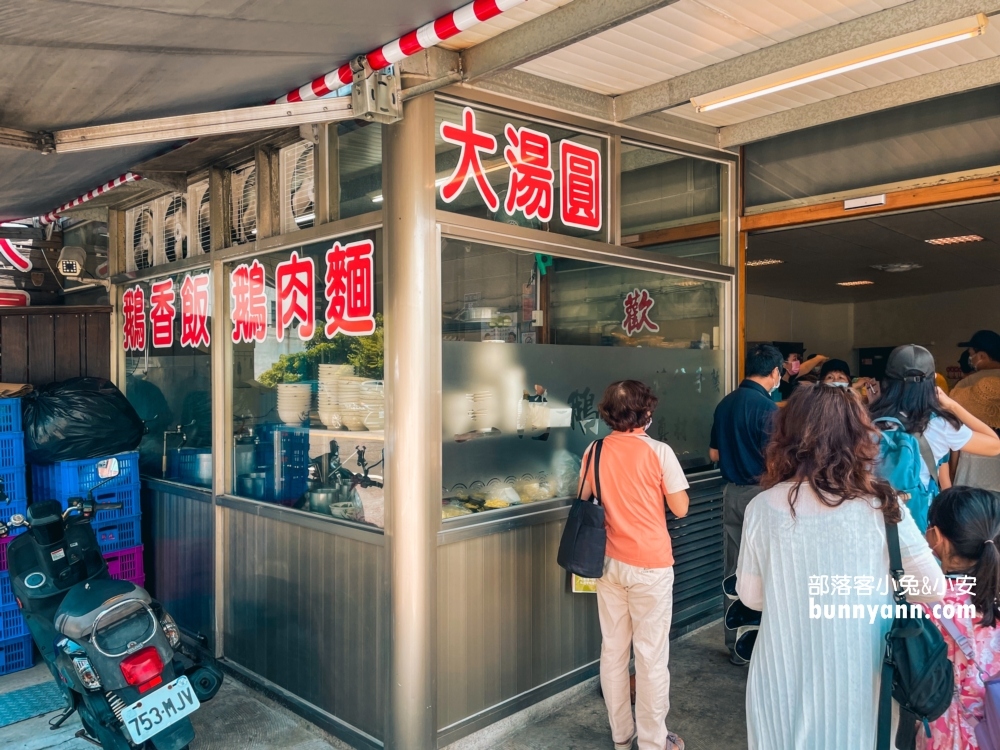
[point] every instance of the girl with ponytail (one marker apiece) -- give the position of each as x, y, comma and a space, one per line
964, 532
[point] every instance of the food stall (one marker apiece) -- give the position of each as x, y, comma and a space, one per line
370, 357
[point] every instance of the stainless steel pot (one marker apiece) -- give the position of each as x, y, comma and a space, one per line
251, 485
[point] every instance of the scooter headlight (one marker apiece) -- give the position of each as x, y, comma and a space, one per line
87, 673
170, 630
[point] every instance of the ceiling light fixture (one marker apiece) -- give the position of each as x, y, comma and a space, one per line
897, 267
763, 262
855, 283
845, 62
955, 240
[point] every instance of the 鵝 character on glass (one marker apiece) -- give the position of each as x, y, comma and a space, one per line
249, 313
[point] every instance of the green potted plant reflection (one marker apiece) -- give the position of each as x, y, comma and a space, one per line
365, 353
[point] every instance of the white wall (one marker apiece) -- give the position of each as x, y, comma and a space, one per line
937, 321
824, 329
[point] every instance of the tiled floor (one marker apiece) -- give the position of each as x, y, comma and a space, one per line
707, 710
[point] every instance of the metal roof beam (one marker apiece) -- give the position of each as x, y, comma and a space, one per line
562, 97
919, 88
25, 141
553, 31
875, 27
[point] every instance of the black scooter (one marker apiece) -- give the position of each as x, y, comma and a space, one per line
115, 653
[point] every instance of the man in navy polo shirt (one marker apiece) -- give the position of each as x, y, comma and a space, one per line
740, 434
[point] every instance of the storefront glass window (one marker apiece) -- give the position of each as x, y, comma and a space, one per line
671, 203
501, 167
166, 332
526, 358
308, 398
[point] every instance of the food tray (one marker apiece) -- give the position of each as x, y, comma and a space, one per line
16, 654
66, 479
126, 564
10, 415
118, 534
12, 450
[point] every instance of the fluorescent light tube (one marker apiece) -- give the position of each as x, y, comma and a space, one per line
845, 62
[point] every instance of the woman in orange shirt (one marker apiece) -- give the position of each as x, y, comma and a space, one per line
635, 594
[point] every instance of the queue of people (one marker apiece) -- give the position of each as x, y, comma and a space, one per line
849, 501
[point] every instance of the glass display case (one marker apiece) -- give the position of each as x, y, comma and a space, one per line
530, 344
308, 400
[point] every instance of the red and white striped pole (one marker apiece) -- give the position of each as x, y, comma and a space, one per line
426, 36
50, 217
408, 45
13, 255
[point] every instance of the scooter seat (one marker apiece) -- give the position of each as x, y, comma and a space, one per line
86, 601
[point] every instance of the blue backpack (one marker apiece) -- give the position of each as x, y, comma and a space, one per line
901, 456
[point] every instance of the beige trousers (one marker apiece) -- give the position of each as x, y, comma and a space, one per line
635, 606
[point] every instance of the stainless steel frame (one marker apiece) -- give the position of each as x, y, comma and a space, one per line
402, 688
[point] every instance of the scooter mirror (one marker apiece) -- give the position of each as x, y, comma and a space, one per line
107, 468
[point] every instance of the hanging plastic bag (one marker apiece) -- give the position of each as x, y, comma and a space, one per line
77, 419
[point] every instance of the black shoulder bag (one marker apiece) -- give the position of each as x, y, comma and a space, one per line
581, 549
916, 670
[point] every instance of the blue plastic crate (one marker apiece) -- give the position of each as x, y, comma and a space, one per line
12, 624
16, 654
10, 415
127, 496
66, 479
282, 453
12, 449
118, 534
7, 600
15, 485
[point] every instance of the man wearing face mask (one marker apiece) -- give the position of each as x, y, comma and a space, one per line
740, 434
983, 349
794, 369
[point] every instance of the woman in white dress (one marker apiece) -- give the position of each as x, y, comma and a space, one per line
813, 542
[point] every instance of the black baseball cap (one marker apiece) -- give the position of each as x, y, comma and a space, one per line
911, 363
835, 365
987, 342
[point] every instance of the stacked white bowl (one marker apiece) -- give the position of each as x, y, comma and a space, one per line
373, 398
329, 401
352, 408
294, 402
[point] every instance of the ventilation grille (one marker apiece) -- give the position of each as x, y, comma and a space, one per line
176, 228
142, 235
200, 216
244, 185
298, 189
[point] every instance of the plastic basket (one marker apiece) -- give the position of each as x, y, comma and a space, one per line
125, 564
7, 600
15, 485
12, 624
10, 415
117, 534
66, 479
127, 496
12, 450
16, 654
283, 455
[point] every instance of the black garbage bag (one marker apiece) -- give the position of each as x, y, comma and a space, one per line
77, 419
